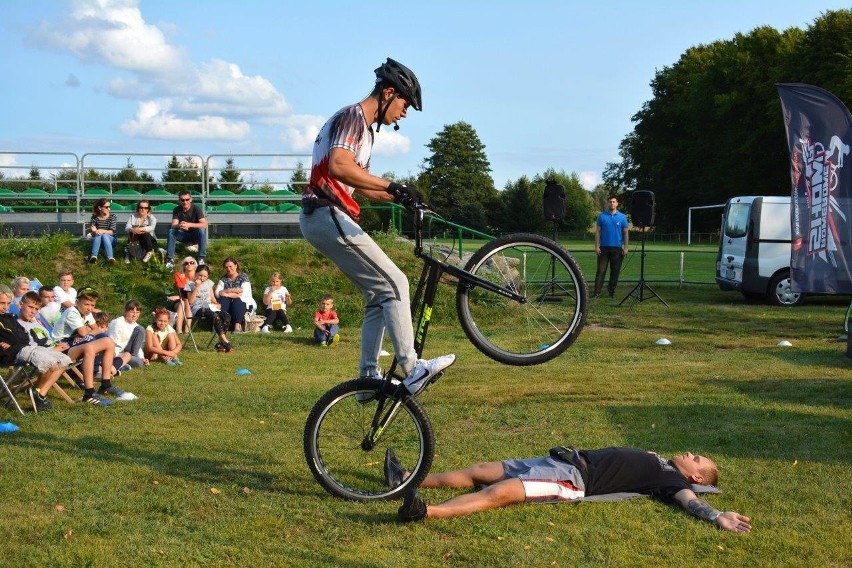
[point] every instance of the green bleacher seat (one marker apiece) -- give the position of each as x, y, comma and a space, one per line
127, 192
96, 193
34, 192
228, 208
5, 209
223, 193
287, 208
6, 193
258, 207
160, 193
251, 193
163, 208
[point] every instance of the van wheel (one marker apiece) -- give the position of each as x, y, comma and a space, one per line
780, 292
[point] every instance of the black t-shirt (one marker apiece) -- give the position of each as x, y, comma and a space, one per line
616, 470
194, 215
16, 336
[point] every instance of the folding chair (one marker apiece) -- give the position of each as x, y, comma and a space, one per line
18, 379
185, 313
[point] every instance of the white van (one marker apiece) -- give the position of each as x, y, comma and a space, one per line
754, 249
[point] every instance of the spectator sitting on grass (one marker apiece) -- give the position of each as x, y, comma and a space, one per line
102, 228
326, 323
77, 321
161, 340
189, 226
234, 293
64, 292
183, 281
18, 346
49, 308
203, 304
140, 233
20, 286
129, 337
276, 298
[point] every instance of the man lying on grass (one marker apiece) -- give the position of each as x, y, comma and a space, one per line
567, 475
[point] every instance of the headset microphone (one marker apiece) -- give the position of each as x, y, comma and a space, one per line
395, 126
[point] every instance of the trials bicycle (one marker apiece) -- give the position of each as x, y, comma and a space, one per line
521, 300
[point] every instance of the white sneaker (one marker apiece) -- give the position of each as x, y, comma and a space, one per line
126, 260
126, 395
148, 256
192, 248
288, 328
423, 372
169, 265
265, 329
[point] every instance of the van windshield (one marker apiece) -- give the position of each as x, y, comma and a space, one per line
737, 220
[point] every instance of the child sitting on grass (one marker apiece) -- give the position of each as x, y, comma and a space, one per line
276, 298
326, 323
161, 340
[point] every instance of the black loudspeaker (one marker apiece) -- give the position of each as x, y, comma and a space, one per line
643, 208
554, 201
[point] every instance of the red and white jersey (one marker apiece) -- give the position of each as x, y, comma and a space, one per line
347, 129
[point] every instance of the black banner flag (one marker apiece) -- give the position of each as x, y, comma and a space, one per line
819, 137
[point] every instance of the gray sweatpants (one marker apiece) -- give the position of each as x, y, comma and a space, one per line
383, 285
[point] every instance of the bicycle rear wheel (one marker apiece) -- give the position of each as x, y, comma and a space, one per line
344, 463
530, 332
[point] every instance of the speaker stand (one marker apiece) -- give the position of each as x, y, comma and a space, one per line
638, 292
553, 291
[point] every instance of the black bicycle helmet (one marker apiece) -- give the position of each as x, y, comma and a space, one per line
396, 75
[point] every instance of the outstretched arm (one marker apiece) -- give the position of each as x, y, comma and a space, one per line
728, 520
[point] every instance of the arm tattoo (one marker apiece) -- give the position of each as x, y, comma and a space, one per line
700, 509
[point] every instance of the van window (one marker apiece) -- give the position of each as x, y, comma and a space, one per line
737, 220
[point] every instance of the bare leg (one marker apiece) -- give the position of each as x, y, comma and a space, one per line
87, 368
484, 473
47, 379
502, 493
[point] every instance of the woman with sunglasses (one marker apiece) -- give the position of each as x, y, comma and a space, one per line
183, 284
140, 231
102, 228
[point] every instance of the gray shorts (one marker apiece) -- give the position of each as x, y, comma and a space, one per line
43, 358
546, 479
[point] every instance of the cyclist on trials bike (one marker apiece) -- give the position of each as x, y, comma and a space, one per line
329, 220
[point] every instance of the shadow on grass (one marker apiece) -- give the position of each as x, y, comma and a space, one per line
241, 470
835, 393
833, 357
736, 431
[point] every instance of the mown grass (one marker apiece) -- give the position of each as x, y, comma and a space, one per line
206, 468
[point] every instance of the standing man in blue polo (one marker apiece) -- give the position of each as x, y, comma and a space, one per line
611, 239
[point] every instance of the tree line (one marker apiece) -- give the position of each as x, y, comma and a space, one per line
714, 129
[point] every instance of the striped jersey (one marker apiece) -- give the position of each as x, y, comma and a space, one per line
347, 129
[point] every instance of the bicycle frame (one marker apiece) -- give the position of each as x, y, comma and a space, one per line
422, 303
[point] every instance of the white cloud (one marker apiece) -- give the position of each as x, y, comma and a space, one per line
177, 97
114, 32
391, 143
590, 179
154, 120
300, 131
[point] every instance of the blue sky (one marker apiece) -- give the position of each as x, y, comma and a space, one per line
544, 83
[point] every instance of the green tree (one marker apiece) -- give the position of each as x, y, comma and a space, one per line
714, 129
182, 175
600, 197
456, 175
516, 211
298, 179
129, 177
229, 177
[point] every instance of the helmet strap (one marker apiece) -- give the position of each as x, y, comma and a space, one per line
383, 109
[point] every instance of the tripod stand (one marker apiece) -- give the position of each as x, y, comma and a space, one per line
553, 290
638, 291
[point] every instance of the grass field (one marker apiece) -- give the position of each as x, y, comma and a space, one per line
206, 468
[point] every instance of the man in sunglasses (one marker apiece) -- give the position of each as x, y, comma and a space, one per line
189, 226
329, 220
